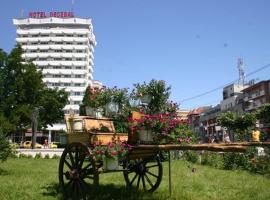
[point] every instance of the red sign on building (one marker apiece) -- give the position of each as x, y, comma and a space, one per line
51, 14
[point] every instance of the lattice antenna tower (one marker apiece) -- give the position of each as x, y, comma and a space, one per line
240, 66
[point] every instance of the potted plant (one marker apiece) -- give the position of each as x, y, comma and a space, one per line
154, 95
94, 100
117, 99
110, 154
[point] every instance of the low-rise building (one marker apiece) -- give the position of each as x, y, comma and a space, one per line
256, 95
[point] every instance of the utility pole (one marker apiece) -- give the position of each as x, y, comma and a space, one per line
34, 126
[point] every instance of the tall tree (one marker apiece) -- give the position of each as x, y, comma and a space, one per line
22, 90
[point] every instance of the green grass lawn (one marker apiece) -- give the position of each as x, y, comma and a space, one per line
38, 179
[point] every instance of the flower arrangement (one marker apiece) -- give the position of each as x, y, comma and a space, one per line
115, 150
163, 126
100, 97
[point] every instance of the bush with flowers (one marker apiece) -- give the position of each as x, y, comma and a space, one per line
114, 149
166, 128
95, 97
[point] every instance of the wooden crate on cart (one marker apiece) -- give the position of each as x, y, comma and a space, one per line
88, 130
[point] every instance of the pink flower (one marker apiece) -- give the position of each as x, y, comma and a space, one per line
180, 139
188, 139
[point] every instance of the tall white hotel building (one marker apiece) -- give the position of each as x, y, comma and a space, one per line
62, 46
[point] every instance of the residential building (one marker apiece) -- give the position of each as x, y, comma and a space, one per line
256, 95
194, 119
183, 114
209, 127
232, 98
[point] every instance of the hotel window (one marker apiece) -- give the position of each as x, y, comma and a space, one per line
67, 67
78, 76
57, 67
68, 51
58, 51
59, 35
68, 59
43, 42
78, 67
77, 84
56, 76
43, 51
57, 58
77, 93
58, 42
67, 76
69, 43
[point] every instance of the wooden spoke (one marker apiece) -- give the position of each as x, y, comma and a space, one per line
151, 166
138, 182
152, 174
68, 164
131, 182
71, 158
148, 180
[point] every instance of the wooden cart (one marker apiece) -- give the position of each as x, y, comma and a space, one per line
142, 167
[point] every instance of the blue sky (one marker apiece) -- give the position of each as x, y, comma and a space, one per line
193, 45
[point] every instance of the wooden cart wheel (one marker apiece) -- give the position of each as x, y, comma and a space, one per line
77, 172
143, 173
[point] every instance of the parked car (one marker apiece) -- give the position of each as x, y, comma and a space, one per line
54, 144
28, 145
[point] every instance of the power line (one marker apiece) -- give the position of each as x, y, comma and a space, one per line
220, 87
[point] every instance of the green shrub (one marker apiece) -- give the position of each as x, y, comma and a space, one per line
38, 156
55, 156
29, 156
232, 160
5, 149
47, 156
190, 156
259, 164
22, 155
212, 159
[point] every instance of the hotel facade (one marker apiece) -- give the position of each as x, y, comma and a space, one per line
62, 47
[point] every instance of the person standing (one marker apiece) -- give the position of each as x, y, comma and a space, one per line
226, 137
256, 135
46, 145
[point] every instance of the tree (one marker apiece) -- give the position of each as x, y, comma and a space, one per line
22, 90
263, 113
239, 124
